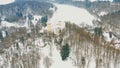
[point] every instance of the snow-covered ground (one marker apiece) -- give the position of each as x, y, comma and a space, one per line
8, 24
36, 19
56, 58
67, 13
57, 61
94, 0
102, 13
26, 24
106, 35
63, 13
3, 2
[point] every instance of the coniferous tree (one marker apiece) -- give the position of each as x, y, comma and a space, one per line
65, 52
44, 20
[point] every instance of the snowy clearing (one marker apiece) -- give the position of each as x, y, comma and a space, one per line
3, 2
67, 13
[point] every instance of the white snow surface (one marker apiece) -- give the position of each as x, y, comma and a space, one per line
57, 61
1, 61
8, 24
102, 13
117, 43
52, 9
36, 19
94, 0
3, 2
3, 34
26, 24
55, 57
67, 13
106, 35
100, 0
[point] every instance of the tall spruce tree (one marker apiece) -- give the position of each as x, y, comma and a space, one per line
65, 52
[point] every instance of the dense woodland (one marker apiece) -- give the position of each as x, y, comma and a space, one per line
75, 43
